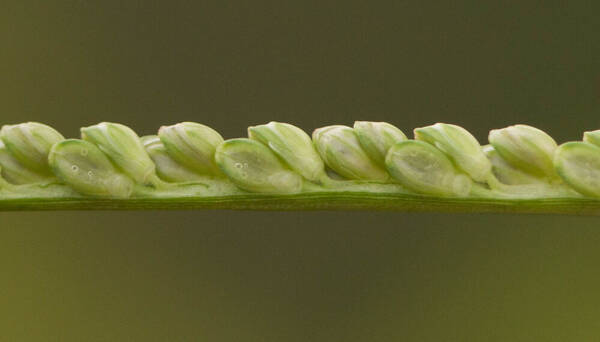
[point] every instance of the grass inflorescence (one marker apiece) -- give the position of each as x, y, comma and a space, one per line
372, 165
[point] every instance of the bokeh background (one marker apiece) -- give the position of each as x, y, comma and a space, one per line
294, 276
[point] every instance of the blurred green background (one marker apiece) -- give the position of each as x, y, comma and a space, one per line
286, 276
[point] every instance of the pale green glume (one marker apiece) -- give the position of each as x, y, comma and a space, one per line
166, 167
376, 138
460, 146
254, 167
293, 146
340, 149
526, 148
505, 172
578, 163
15, 172
592, 137
423, 168
124, 148
193, 145
30, 143
84, 167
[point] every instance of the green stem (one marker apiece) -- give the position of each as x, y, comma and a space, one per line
218, 194
316, 201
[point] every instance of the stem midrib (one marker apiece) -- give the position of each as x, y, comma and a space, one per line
350, 200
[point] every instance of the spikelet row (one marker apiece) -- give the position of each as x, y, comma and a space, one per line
111, 160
